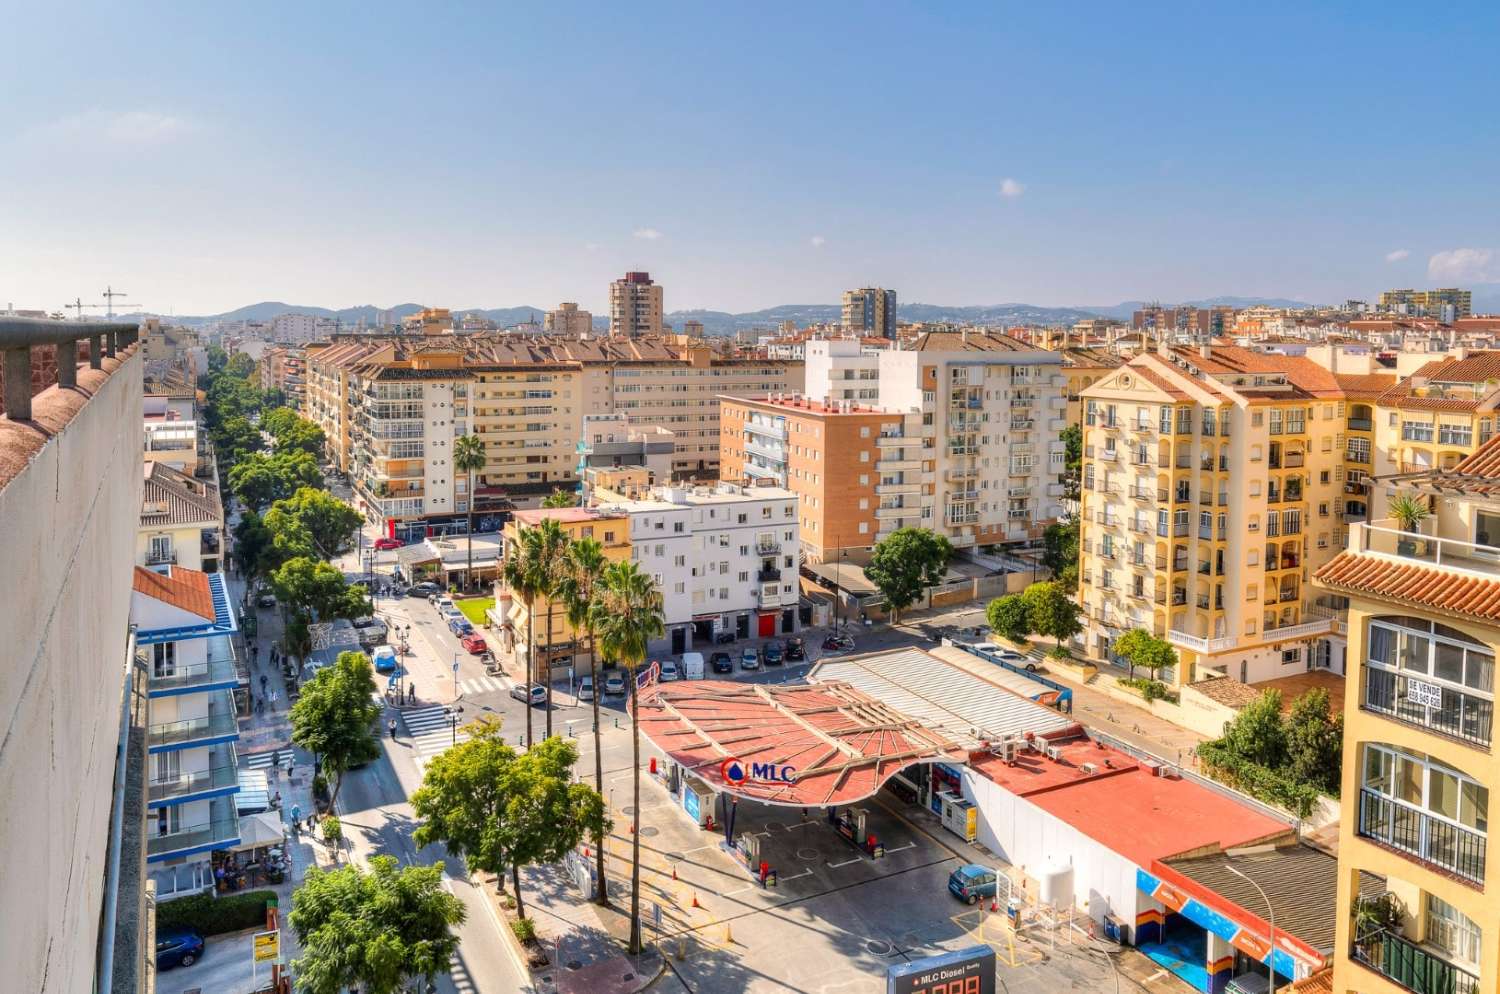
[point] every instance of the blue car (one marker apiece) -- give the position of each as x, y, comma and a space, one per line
973, 882
177, 947
460, 627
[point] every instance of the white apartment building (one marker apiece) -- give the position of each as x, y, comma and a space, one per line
842, 369
724, 557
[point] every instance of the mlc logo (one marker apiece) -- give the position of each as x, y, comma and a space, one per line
735, 772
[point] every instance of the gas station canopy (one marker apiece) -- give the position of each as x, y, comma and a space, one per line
804, 746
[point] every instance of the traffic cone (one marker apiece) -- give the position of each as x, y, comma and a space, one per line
994, 904
695, 900
728, 935
632, 828
674, 871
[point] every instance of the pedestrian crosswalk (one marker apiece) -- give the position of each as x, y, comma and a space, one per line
481, 685
431, 731
264, 760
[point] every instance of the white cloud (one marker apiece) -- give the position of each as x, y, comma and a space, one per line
1397, 255
131, 127
1465, 265
1011, 189
817, 241
649, 234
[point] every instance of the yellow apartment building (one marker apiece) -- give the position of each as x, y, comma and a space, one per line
1212, 488
554, 656
1437, 415
1420, 763
1083, 367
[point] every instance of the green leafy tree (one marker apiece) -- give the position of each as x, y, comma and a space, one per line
560, 498
278, 420
1072, 478
499, 810
1008, 616
376, 931
1257, 735
580, 586
302, 436
319, 590
260, 479
1060, 552
334, 716
217, 360
240, 366
627, 616
1052, 612
1315, 741
906, 563
1140, 648
469, 458
254, 547
311, 522
235, 439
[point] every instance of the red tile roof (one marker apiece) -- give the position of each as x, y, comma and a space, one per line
182, 588
1483, 461
1413, 583
1477, 367
1365, 386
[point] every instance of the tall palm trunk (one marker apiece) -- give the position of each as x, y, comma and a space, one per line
603, 896
530, 664
469, 572
548, 670
635, 836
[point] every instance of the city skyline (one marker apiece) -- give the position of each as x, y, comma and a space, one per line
287, 158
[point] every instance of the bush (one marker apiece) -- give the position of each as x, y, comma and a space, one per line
1151, 690
216, 915
333, 830
524, 929
1269, 785
320, 787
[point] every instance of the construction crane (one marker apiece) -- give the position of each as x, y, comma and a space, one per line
77, 307
110, 293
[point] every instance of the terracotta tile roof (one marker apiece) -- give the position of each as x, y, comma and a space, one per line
1319, 983
1478, 367
182, 588
1364, 386
173, 498
1230, 693
1413, 583
950, 341
1158, 380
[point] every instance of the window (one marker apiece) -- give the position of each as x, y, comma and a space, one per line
864, 456
864, 527
864, 480
1453, 932
163, 659
864, 431
1255, 453
1252, 593
1290, 656
1257, 418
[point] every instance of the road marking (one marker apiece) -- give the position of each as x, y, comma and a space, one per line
805, 873
835, 866
481, 685
264, 760
737, 890
1156, 976
909, 845
699, 849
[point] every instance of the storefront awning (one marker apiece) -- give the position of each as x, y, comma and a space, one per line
803, 746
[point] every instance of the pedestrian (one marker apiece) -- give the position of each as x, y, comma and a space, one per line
276, 801
291, 762
275, 697
296, 817
262, 683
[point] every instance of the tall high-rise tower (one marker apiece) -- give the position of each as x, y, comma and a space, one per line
635, 307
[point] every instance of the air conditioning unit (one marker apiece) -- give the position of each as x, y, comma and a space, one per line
1054, 754
1169, 773
1089, 769
1008, 750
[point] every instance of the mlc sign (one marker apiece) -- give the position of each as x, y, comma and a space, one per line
736, 772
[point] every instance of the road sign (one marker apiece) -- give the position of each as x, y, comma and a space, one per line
267, 946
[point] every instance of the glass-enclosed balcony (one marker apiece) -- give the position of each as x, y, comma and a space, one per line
221, 777
220, 830
1418, 968
216, 671
219, 725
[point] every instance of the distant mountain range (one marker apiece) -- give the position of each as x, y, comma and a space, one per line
726, 323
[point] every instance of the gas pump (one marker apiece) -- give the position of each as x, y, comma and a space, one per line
747, 851
851, 825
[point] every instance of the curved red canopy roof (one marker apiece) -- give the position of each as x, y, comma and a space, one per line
803, 746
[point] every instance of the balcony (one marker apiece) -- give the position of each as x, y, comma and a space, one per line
1383, 538
897, 465
888, 513
883, 489
1199, 643
1458, 714
218, 671
768, 575
1361, 424
893, 441
1299, 629
160, 557
768, 597
221, 777
776, 453
767, 546
1415, 833
219, 726
1416, 968
220, 831
960, 518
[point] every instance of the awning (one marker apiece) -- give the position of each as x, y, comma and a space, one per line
803, 746
263, 829
255, 792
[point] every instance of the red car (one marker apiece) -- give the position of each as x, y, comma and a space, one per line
383, 544
474, 643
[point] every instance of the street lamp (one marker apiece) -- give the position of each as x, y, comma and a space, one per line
1270, 911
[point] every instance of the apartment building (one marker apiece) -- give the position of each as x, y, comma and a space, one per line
635, 306
610, 441
842, 369
568, 321
870, 311
284, 368
172, 436
826, 454
429, 321
556, 654
1446, 305
1213, 480
1362, 392
1082, 368
184, 624
993, 410
724, 557
326, 395
1438, 415
181, 522
1421, 777
1191, 322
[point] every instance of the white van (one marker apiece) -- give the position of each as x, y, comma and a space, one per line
692, 666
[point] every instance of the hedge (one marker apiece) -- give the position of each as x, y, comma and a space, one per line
216, 915
1256, 780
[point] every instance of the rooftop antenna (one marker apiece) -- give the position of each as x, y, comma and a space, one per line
110, 293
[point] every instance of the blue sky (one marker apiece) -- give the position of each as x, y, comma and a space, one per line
205, 156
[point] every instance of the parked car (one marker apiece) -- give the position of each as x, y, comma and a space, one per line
614, 685
972, 883
474, 643
1008, 655
721, 662
177, 946
424, 589
586, 688
386, 544
771, 653
838, 643
460, 626
796, 650
443, 603
692, 666
266, 600
669, 671
724, 638
530, 694
371, 631
385, 659
749, 659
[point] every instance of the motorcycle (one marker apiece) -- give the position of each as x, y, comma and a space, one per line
837, 643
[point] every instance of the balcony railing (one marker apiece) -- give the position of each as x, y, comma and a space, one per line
1416, 833
1462, 715
768, 575
220, 722
217, 668
1382, 537
1416, 968
221, 830
1199, 643
1361, 424
223, 772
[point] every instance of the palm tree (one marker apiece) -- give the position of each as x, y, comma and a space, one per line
579, 589
468, 457
522, 573
627, 616
552, 549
